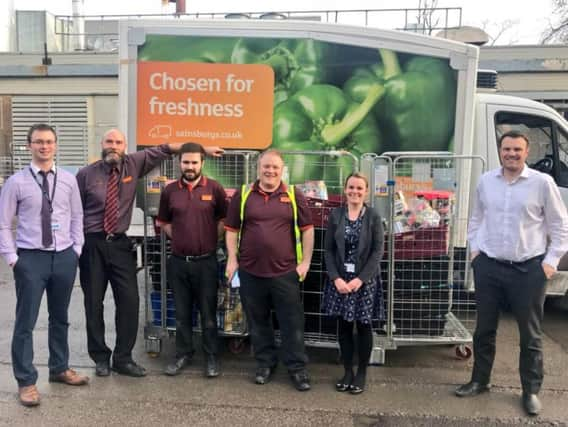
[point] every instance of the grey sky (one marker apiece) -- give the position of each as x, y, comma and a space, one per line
529, 17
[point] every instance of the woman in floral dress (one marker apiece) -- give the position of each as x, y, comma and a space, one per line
353, 250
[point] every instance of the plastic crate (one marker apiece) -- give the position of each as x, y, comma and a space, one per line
321, 209
420, 243
156, 301
420, 325
170, 321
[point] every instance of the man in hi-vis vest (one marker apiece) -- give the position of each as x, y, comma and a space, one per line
270, 239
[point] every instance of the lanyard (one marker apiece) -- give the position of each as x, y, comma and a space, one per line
361, 213
44, 193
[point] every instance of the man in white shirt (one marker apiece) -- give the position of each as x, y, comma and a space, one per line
517, 233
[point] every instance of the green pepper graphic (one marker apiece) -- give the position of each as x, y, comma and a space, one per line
321, 117
186, 49
296, 63
418, 107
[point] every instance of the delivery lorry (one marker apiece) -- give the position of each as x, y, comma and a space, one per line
325, 88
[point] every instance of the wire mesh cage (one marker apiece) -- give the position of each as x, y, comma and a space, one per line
321, 176
232, 170
426, 269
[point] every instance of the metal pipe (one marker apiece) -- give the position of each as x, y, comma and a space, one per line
180, 7
78, 25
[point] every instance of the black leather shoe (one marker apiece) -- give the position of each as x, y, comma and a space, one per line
344, 383
178, 366
472, 388
301, 380
531, 404
102, 369
263, 375
132, 369
211, 367
358, 385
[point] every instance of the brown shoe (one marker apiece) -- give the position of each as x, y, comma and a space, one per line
69, 377
28, 395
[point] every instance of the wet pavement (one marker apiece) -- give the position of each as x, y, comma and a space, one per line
413, 388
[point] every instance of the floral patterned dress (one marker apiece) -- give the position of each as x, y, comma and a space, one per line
364, 305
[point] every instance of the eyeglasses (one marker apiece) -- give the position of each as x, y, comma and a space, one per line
43, 141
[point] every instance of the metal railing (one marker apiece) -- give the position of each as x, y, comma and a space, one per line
8, 165
101, 31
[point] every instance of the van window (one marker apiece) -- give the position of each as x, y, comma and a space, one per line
538, 130
563, 158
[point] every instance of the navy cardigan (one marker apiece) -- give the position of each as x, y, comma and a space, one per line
369, 250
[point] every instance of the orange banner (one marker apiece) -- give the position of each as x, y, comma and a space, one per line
229, 105
409, 186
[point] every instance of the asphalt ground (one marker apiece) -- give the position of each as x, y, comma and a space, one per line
413, 388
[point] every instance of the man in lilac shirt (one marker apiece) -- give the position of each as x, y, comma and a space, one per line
43, 256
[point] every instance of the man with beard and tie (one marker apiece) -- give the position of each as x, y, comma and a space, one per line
192, 211
108, 189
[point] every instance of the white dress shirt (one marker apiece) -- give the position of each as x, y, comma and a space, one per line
519, 220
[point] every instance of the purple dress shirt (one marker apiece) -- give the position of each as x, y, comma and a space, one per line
93, 180
21, 196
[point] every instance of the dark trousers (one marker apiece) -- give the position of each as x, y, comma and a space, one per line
522, 288
258, 295
103, 261
194, 282
34, 272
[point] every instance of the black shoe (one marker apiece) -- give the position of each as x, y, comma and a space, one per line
531, 403
102, 369
132, 369
344, 383
301, 380
211, 367
358, 385
472, 388
263, 375
178, 366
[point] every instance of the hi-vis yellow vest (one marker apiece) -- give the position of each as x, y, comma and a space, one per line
245, 193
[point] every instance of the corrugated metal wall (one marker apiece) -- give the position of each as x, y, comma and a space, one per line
69, 116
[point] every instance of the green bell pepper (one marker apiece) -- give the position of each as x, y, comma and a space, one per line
322, 118
296, 63
366, 138
301, 167
186, 49
324, 114
417, 111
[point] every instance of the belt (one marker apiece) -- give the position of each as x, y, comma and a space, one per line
188, 258
109, 237
515, 263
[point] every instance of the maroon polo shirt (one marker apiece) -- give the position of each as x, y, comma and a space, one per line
93, 180
267, 247
193, 213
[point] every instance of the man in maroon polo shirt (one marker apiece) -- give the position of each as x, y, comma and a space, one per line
191, 213
268, 269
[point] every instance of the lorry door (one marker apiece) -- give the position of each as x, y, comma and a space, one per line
548, 136
548, 153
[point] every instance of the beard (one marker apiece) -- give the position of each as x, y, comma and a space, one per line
191, 176
111, 157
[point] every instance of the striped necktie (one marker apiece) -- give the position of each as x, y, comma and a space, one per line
111, 203
46, 232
